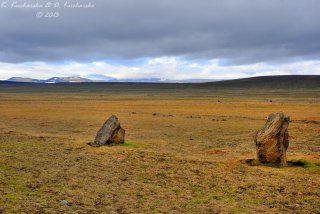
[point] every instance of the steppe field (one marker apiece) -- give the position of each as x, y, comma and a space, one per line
184, 144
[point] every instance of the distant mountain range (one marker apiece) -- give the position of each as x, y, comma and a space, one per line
281, 81
102, 78
51, 80
270, 82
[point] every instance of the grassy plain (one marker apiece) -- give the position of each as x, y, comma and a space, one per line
183, 150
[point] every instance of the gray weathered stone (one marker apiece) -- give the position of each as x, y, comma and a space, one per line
110, 133
272, 140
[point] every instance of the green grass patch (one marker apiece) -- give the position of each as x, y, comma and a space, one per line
140, 197
293, 163
304, 163
131, 144
199, 201
215, 197
126, 144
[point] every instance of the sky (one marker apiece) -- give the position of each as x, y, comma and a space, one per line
167, 39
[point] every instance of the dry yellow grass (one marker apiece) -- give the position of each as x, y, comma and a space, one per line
182, 159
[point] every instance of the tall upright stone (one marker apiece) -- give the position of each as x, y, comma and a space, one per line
110, 133
272, 140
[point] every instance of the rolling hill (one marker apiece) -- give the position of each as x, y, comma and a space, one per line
284, 81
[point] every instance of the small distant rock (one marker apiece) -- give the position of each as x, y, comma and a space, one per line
154, 114
110, 133
168, 115
193, 116
65, 202
272, 140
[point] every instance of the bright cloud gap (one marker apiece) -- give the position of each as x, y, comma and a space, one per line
171, 68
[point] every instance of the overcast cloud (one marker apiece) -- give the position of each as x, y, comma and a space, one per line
231, 33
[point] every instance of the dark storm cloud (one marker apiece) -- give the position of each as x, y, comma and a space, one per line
239, 31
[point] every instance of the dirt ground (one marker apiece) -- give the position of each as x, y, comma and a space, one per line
182, 152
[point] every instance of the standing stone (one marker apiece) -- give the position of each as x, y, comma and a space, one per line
272, 141
110, 133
